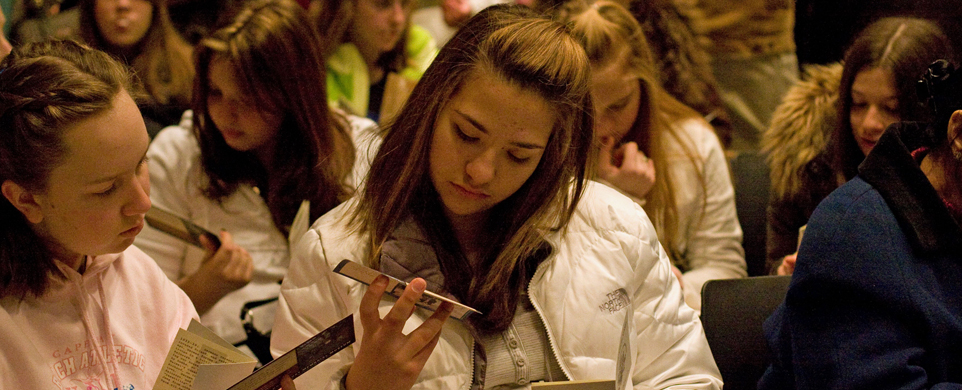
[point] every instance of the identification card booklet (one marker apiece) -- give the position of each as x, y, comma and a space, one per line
302, 358
575, 385
395, 287
179, 227
188, 231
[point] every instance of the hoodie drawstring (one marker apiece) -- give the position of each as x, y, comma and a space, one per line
110, 370
111, 347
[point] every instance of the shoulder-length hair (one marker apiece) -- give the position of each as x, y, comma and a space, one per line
333, 19
606, 29
534, 54
45, 88
162, 58
276, 59
903, 46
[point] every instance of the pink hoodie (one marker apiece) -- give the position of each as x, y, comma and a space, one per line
122, 310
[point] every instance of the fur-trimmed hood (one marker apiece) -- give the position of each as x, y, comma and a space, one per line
801, 127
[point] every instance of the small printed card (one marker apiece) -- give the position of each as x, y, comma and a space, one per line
200, 360
302, 358
179, 227
395, 287
575, 385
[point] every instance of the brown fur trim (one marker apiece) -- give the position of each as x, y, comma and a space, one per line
801, 127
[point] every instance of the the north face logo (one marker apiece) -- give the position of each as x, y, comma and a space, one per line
617, 300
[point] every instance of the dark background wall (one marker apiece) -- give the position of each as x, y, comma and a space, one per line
824, 28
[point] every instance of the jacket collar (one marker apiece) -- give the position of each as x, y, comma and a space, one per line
894, 173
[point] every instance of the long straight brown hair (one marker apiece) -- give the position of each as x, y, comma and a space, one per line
903, 46
276, 56
535, 54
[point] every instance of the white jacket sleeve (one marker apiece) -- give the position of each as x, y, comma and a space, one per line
312, 300
671, 351
668, 344
714, 236
611, 245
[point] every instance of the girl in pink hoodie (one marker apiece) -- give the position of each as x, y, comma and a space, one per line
82, 308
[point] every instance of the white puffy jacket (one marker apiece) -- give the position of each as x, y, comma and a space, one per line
177, 180
608, 262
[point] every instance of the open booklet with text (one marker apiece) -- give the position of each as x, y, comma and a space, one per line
199, 359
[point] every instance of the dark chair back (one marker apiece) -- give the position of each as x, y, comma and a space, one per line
259, 341
751, 182
732, 312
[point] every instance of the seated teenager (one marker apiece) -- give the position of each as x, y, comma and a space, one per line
874, 301
81, 307
658, 151
832, 119
375, 55
255, 146
480, 192
140, 34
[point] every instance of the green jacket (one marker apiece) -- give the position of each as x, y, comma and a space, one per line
348, 84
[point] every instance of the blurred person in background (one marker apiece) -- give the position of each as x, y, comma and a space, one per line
832, 119
683, 68
874, 301
5, 46
658, 151
752, 51
139, 33
374, 54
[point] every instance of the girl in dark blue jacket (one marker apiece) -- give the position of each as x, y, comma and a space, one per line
876, 299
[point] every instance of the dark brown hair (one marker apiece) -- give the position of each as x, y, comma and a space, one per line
903, 46
44, 88
276, 56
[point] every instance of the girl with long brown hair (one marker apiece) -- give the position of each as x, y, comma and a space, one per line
481, 192
257, 143
79, 305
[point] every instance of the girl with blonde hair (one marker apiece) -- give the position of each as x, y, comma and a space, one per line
658, 151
